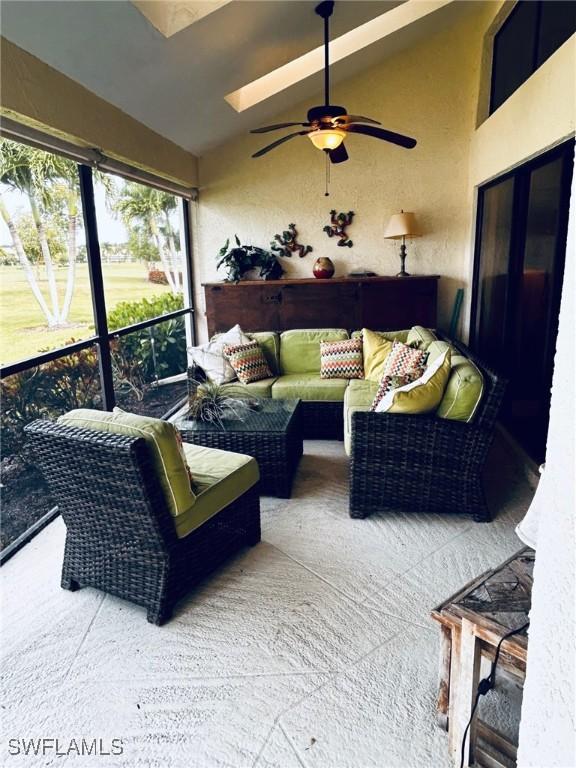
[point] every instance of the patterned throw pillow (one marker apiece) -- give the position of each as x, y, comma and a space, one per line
341, 359
248, 362
210, 357
423, 395
403, 360
389, 383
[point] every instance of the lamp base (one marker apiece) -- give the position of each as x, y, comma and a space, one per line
402, 272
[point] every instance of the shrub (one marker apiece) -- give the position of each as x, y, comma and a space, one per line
157, 276
46, 391
156, 352
131, 312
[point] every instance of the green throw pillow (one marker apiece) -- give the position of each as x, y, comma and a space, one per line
163, 438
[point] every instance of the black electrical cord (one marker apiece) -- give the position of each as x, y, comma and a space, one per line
486, 685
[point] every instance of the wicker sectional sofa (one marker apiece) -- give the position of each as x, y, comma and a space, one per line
427, 462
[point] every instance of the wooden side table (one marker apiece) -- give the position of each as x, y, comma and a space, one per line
472, 623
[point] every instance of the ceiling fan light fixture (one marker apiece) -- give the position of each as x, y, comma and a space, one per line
327, 138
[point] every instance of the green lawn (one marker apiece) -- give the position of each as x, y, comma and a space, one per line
23, 331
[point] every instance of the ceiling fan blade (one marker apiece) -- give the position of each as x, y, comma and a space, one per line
381, 133
278, 142
357, 119
338, 155
267, 128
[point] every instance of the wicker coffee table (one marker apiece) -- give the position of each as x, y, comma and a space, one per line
272, 435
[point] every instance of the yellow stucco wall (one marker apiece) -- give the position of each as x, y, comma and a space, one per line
429, 92
36, 94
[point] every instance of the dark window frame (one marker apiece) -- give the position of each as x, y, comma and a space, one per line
536, 64
521, 176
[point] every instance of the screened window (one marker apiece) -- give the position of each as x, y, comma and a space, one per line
532, 32
95, 302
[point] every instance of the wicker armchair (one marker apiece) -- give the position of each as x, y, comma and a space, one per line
424, 463
120, 534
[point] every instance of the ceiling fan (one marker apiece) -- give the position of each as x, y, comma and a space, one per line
328, 125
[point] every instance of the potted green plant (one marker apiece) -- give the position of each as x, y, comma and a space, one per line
241, 259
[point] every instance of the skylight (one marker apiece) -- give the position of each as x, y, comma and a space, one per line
312, 62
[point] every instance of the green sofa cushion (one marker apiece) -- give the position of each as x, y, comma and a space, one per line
261, 388
308, 386
163, 440
358, 397
423, 335
437, 348
220, 477
270, 343
465, 385
300, 349
360, 392
388, 335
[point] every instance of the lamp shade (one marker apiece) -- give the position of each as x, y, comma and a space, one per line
327, 138
402, 225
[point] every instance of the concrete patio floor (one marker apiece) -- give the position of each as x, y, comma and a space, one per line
314, 649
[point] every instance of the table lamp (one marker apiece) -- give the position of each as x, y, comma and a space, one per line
402, 225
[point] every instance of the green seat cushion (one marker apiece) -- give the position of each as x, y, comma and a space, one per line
359, 396
308, 386
261, 388
220, 477
401, 336
270, 344
465, 385
360, 392
163, 440
422, 335
300, 350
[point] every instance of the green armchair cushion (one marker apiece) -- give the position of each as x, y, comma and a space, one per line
220, 477
465, 385
300, 349
163, 439
309, 386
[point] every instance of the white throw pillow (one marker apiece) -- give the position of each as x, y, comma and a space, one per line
210, 356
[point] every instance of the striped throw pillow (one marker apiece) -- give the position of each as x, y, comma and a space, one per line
341, 359
404, 360
248, 362
388, 383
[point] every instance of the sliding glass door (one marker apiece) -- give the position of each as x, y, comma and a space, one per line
520, 253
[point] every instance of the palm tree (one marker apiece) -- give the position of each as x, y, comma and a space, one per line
49, 182
149, 208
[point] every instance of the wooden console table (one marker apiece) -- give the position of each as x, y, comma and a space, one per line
472, 623
381, 303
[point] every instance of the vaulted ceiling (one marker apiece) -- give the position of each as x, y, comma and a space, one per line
175, 80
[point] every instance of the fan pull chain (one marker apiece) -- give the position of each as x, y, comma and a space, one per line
327, 193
